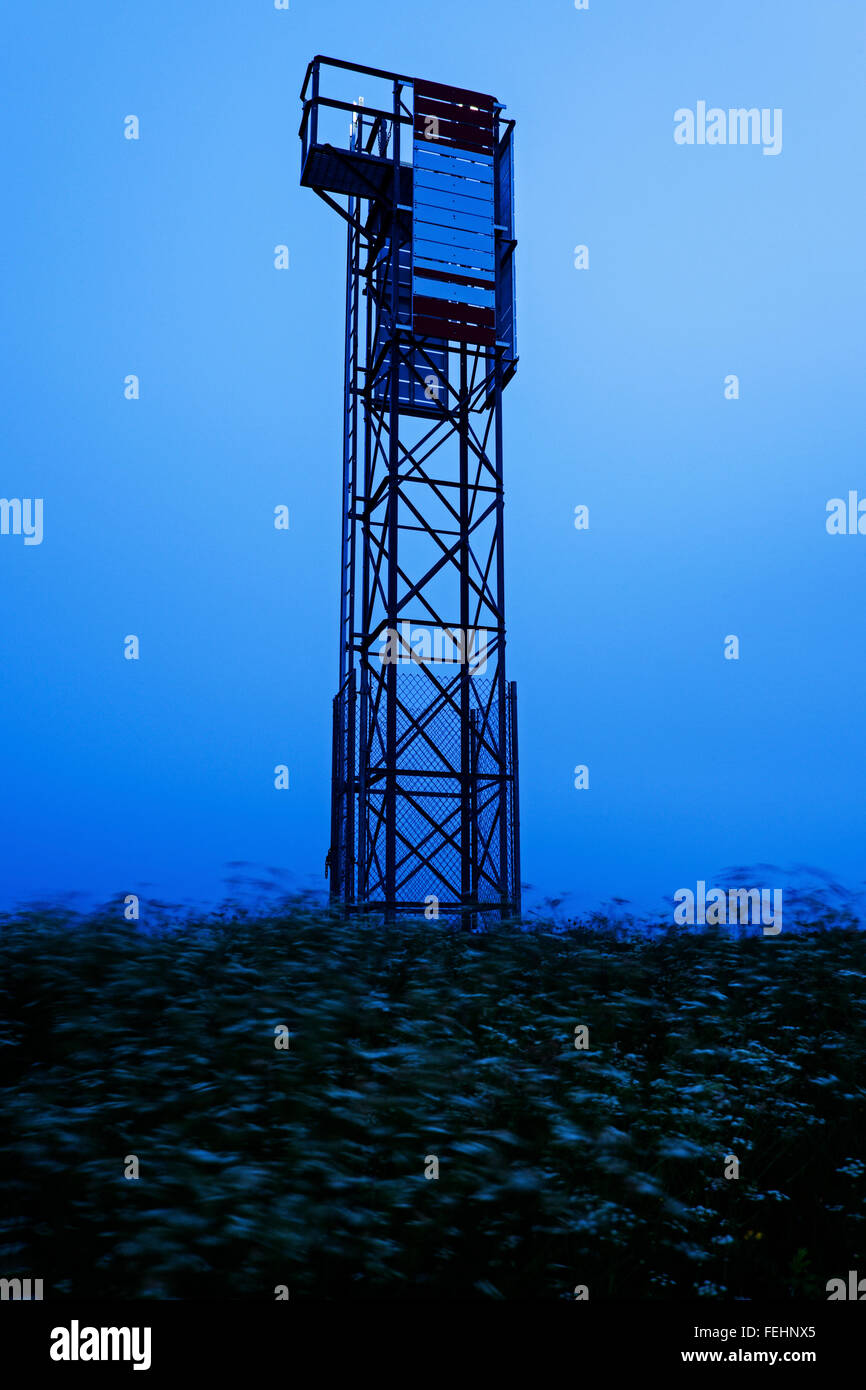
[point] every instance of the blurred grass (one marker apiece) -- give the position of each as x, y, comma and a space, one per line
306, 1168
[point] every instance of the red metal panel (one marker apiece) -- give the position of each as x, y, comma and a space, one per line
450, 309
459, 94
455, 134
455, 332
447, 111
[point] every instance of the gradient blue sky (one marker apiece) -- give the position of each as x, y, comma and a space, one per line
707, 516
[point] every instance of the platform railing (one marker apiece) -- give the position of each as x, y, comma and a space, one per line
378, 119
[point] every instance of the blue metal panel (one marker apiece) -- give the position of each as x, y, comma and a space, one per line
422, 384
461, 294
448, 183
465, 163
472, 209
463, 259
456, 238
445, 217
415, 388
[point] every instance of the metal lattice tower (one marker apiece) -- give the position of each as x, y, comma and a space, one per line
424, 790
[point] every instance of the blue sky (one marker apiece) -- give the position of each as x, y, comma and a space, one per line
707, 516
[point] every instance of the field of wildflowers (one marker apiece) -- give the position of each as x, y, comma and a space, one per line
559, 1166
